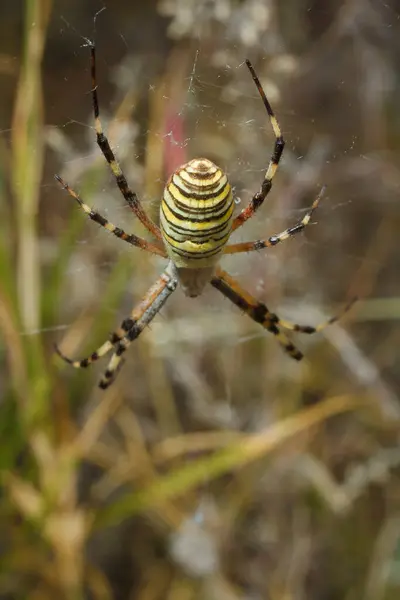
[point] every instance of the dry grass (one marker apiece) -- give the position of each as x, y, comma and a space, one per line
213, 467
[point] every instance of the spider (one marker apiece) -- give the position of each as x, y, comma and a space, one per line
196, 221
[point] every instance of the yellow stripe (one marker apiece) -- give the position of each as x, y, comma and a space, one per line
275, 126
194, 248
195, 204
106, 347
115, 168
193, 185
199, 181
190, 226
199, 213
200, 165
271, 171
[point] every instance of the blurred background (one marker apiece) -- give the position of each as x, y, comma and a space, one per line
215, 467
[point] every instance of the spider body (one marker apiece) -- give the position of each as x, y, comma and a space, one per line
196, 221
196, 216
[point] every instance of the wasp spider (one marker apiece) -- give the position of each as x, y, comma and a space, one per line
196, 221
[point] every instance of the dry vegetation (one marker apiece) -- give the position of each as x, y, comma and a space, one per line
214, 468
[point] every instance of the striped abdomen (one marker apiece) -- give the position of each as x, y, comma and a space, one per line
196, 214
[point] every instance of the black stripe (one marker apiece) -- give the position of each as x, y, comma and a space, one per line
194, 256
259, 197
107, 379
197, 255
189, 239
259, 313
94, 82
127, 324
229, 293
184, 218
197, 238
208, 233
206, 209
199, 210
195, 186
132, 334
278, 149
199, 174
194, 195
98, 218
114, 338
105, 148
85, 362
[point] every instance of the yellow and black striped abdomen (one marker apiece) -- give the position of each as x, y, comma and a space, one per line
196, 214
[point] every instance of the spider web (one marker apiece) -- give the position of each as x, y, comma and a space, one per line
217, 114
331, 75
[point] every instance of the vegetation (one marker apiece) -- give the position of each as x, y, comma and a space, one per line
214, 467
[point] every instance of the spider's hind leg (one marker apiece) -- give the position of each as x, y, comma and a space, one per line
143, 315
310, 329
115, 337
130, 328
257, 311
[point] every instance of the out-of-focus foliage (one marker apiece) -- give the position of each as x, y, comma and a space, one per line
214, 467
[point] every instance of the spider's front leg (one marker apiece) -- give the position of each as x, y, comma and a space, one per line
266, 185
131, 238
104, 145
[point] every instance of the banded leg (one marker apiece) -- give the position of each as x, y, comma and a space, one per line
266, 185
165, 281
257, 311
270, 321
310, 329
102, 350
143, 315
132, 239
280, 237
104, 145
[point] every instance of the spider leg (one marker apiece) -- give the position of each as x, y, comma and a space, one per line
130, 328
142, 316
280, 237
257, 311
102, 350
132, 239
104, 145
310, 329
266, 185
